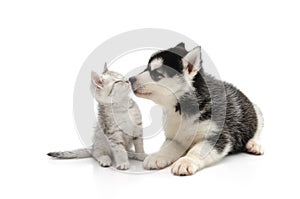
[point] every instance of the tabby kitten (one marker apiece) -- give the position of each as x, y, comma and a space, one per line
119, 123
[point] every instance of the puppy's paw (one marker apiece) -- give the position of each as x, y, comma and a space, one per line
104, 161
122, 166
184, 166
254, 147
157, 161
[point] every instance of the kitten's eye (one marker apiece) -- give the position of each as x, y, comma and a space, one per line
98, 87
97, 83
118, 81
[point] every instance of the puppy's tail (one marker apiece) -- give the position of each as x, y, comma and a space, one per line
78, 153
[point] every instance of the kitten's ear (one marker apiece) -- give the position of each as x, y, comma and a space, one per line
105, 68
96, 79
192, 62
180, 45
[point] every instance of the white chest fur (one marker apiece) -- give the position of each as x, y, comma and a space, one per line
186, 130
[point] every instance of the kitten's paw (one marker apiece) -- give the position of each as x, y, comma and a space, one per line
157, 161
140, 156
123, 166
254, 147
184, 166
136, 156
104, 161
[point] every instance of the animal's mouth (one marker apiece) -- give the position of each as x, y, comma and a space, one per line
141, 93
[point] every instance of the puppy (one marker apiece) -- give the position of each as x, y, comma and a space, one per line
206, 119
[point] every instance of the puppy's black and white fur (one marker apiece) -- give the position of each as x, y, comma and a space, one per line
206, 119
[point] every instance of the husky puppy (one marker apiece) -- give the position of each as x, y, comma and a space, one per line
206, 119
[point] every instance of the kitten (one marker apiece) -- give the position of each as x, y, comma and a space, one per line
119, 123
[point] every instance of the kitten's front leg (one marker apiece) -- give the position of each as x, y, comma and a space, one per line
101, 149
169, 153
139, 153
102, 154
120, 156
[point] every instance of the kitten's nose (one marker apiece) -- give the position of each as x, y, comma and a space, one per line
132, 80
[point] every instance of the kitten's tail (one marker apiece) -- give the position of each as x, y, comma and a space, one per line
78, 153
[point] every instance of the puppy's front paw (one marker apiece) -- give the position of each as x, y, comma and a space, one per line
157, 161
184, 166
123, 166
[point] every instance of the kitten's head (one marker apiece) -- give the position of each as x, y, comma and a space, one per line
109, 86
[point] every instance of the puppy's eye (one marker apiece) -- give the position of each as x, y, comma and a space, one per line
156, 75
160, 75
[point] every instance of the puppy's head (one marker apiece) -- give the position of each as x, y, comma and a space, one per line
168, 74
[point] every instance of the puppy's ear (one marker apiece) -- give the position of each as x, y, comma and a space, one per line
180, 45
192, 62
105, 68
96, 79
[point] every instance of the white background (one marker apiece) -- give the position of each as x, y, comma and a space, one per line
254, 44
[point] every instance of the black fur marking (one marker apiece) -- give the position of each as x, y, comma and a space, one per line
177, 108
205, 115
203, 104
171, 59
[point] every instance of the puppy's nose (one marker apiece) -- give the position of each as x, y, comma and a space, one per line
132, 80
